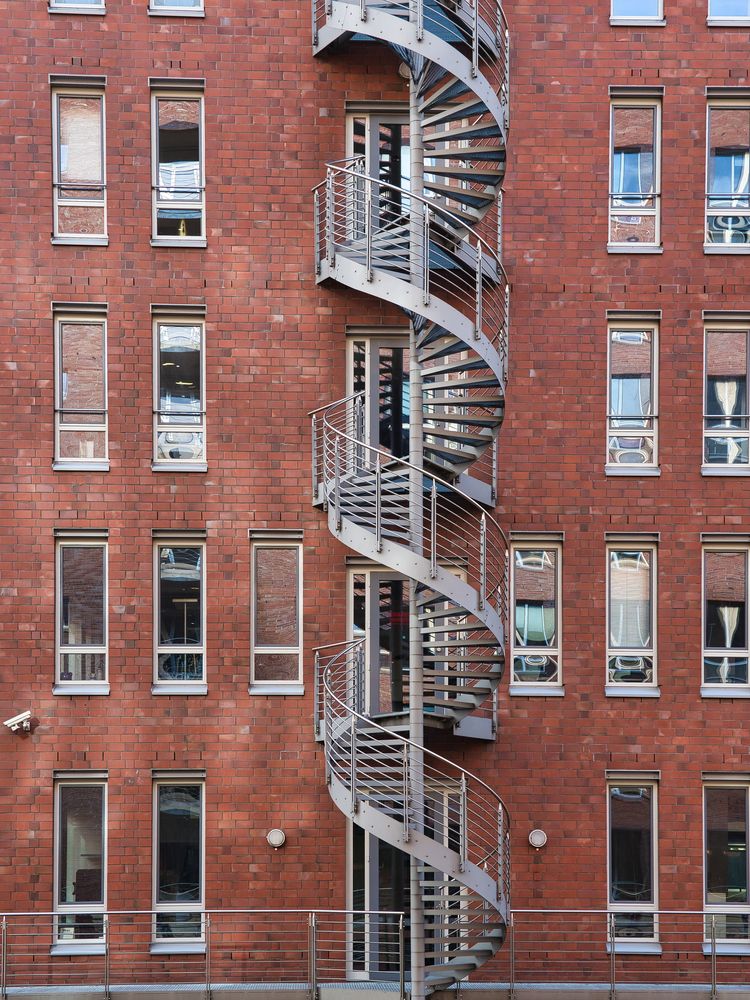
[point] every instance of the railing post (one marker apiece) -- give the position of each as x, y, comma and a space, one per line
420, 20
316, 206
337, 479
401, 959
315, 456
464, 823
368, 229
353, 762
105, 928
4, 958
506, 81
363, 10
433, 530
406, 792
316, 694
714, 986
330, 244
512, 947
329, 7
425, 255
312, 947
378, 505
506, 334
612, 958
475, 40
479, 298
493, 721
482, 560
208, 956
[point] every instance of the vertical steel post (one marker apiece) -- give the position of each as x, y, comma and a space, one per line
512, 944
401, 959
479, 318
330, 244
612, 958
425, 254
363, 10
506, 335
433, 530
312, 948
464, 823
105, 929
714, 985
378, 505
406, 792
316, 692
208, 956
475, 39
482, 560
337, 478
4, 958
353, 761
420, 20
368, 229
315, 456
316, 198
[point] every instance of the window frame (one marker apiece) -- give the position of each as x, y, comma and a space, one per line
537, 686
159, 684
711, 688
621, 942
61, 90
284, 687
70, 686
174, 464
633, 688
174, 11
636, 326
172, 944
725, 104
725, 20
160, 93
83, 945
720, 468
645, 19
727, 945
653, 104
79, 7
61, 318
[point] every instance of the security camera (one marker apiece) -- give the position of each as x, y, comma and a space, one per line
22, 721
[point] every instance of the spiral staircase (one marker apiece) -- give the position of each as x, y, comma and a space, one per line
434, 254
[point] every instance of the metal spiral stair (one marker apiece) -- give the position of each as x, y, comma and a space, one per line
432, 253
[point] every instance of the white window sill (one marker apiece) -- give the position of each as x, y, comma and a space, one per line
728, 22
727, 947
180, 688
633, 248
725, 691
631, 470
177, 948
84, 948
176, 13
80, 466
185, 243
75, 10
635, 948
179, 467
631, 691
725, 470
81, 687
276, 689
740, 248
530, 690
80, 241
640, 22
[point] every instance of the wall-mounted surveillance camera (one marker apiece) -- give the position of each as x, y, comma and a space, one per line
22, 721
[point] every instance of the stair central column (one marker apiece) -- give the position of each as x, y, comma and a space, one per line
418, 260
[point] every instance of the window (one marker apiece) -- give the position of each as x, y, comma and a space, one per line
535, 582
180, 617
80, 860
178, 858
632, 858
175, 7
81, 616
725, 419
76, 6
631, 641
632, 416
79, 181
728, 175
178, 173
726, 826
277, 616
379, 369
635, 174
636, 11
725, 640
81, 389
728, 10
179, 415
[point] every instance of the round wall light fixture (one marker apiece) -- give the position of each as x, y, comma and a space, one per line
276, 838
537, 839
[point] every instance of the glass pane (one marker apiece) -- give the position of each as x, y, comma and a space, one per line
726, 379
535, 580
630, 449
727, 450
630, 670
179, 844
79, 220
276, 584
630, 390
80, 864
535, 669
630, 845
83, 445
392, 653
179, 925
725, 669
630, 599
634, 925
179, 374
276, 667
728, 155
180, 666
179, 222
633, 228
82, 595
185, 4
729, 926
728, 8
81, 383
180, 595
726, 845
80, 150
179, 446
393, 400
80, 926
179, 166
83, 667
726, 600
635, 8
633, 154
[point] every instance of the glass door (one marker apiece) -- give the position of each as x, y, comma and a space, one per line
379, 368
380, 615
